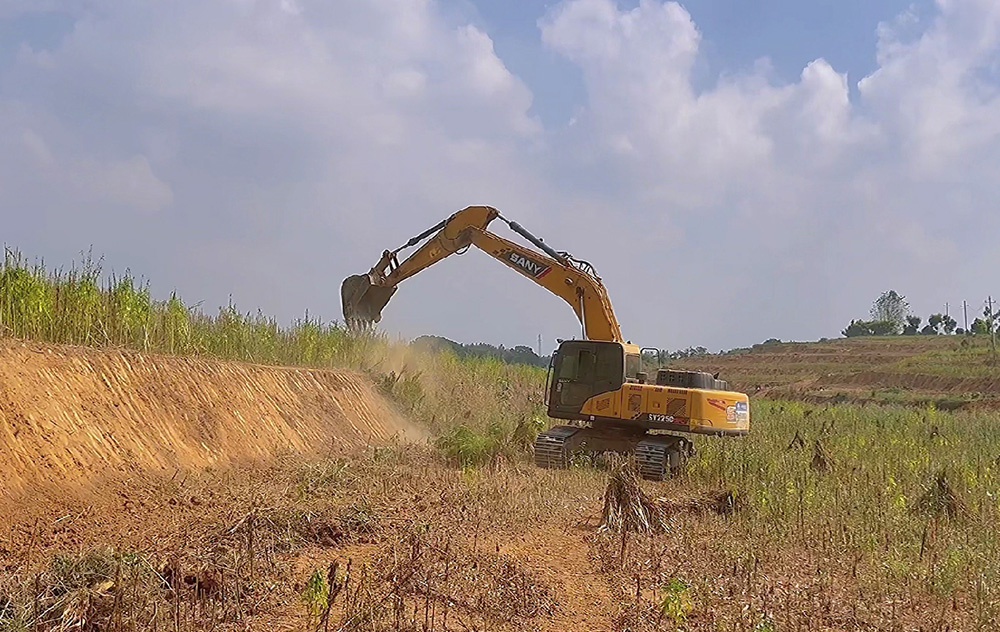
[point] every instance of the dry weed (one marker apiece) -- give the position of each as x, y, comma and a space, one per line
627, 508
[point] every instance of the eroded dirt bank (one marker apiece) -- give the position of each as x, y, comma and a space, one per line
72, 415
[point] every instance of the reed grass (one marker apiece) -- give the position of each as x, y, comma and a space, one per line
83, 306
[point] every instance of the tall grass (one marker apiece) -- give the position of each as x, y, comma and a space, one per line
908, 495
82, 306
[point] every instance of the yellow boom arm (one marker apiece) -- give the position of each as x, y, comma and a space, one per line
364, 296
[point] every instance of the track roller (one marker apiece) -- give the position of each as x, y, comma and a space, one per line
659, 457
553, 447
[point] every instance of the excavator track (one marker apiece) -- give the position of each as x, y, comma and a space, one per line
552, 447
658, 457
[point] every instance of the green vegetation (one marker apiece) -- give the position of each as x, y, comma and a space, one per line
909, 494
869, 328
82, 307
890, 316
519, 354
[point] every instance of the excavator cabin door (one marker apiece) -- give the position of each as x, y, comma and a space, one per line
583, 369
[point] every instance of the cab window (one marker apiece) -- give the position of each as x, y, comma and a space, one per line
632, 366
591, 363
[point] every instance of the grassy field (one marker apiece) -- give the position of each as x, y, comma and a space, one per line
949, 371
843, 516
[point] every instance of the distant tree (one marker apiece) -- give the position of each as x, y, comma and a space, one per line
990, 319
960, 331
857, 328
933, 327
980, 327
912, 326
939, 324
988, 323
870, 328
949, 324
520, 354
884, 328
891, 307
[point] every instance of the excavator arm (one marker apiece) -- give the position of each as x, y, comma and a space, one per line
575, 281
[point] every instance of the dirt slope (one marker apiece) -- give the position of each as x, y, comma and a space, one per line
70, 415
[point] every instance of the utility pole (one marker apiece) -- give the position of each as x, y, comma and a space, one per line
993, 333
539, 345
946, 310
965, 312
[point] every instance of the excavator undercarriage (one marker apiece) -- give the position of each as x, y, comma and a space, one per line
657, 456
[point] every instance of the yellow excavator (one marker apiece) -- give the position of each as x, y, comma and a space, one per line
597, 383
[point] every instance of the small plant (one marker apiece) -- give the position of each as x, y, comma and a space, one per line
314, 596
403, 387
675, 603
941, 499
469, 448
527, 430
627, 508
359, 518
322, 475
765, 625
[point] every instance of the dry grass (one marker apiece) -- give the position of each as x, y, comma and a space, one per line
415, 544
399, 539
627, 508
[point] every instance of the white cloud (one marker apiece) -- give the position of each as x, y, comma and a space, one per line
38, 151
783, 191
128, 183
938, 92
280, 145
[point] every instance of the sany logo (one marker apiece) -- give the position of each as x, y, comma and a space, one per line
531, 267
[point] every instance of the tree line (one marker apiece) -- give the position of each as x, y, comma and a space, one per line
890, 316
519, 354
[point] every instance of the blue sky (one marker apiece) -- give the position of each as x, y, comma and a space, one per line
737, 33
265, 150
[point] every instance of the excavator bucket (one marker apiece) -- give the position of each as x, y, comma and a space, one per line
363, 301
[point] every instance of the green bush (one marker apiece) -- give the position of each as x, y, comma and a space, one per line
467, 447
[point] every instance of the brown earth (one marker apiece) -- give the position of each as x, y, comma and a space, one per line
523, 544
69, 416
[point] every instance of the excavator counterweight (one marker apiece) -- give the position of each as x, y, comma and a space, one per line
597, 383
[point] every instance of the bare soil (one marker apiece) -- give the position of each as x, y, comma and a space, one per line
71, 415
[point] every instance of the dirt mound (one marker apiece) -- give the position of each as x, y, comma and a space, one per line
71, 415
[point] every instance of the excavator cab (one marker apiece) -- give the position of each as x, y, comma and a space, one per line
582, 370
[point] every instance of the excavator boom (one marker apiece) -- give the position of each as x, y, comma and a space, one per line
364, 296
